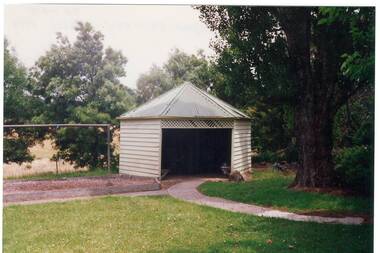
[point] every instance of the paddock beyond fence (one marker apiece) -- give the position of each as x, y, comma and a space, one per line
43, 164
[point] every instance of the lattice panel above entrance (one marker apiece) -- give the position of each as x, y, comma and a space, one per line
197, 123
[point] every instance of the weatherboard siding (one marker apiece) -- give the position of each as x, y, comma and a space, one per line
241, 145
140, 142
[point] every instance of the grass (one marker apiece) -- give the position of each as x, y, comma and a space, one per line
269, 188
163, 224
51, 175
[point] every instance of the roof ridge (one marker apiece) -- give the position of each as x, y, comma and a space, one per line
218, 101
229, 106
166, 108
211, 98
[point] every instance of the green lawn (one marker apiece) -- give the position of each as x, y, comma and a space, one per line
51, 175
269, 188
163, 224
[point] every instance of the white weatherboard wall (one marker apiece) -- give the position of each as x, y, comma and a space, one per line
140, 147
241, 145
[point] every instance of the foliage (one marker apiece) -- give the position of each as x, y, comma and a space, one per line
272, 129
16, 150
359, 61
19, 106
152, 84
266, 156
164, 224
179, 68
354, 143
299, 62
250, 57
79, 83
354, 167
270, 188
354, 122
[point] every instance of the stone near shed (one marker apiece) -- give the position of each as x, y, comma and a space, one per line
236, 176
247, 175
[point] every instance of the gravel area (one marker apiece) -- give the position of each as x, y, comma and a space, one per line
27, 190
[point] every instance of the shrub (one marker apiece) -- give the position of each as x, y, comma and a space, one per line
266, 156
291, 153
354, 168
16, 150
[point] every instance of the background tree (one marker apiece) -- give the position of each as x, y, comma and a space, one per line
151, 84
19, 106
79, 83
310, 59
354, 143
180, 67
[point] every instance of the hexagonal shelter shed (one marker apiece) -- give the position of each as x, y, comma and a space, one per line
184, 131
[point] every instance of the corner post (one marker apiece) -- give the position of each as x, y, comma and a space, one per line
108, 148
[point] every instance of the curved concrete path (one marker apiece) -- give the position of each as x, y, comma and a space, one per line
187, 191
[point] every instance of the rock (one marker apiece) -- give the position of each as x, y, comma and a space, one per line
235, 176
247, 175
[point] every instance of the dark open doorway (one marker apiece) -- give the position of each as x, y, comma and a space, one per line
195, 151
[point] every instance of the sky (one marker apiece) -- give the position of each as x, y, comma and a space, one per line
145, 34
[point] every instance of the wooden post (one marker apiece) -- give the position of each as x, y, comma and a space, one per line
109, 148
57, 158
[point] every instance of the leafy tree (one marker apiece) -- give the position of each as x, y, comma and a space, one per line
354, 122
79, 83
152, 84
18, 109
179, 68
194, 68
354, 143
311, 59
272, 132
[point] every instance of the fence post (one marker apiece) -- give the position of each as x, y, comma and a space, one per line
109, 148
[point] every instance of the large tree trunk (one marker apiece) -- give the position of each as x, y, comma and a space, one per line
314, 114
314, 140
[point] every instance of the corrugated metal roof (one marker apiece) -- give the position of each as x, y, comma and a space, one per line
185, 101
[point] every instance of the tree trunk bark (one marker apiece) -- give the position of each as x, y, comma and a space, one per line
313, 113
314, 141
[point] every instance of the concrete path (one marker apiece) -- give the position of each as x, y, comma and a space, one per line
187, 191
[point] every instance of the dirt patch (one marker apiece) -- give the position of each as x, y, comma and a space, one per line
331, 191
368, 219
28, 190
169, 181
14, 186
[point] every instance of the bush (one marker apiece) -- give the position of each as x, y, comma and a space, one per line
291, 153
16, 150
266, 156
354, 168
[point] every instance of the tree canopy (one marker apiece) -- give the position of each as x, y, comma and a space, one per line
19, 108
180, 67
310, 61
74, 82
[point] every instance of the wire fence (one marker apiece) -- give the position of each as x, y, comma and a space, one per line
106, 127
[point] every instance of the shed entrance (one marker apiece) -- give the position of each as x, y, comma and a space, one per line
195, 151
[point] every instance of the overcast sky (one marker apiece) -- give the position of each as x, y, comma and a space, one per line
145, 34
